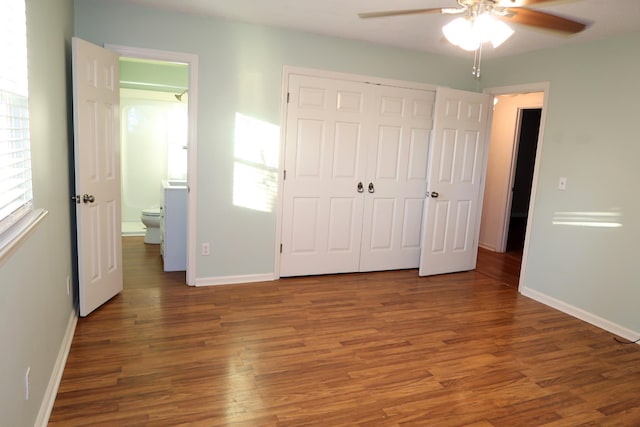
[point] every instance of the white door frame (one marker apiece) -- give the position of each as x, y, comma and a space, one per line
192, 61
287, 71
528, 88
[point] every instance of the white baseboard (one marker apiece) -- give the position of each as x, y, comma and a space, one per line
234, 280
488, 247
581, 314
56, 376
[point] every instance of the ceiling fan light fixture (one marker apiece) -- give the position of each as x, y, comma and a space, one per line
482, 27
500, 33
469, 33
460, 33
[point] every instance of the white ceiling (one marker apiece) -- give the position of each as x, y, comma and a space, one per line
419, 32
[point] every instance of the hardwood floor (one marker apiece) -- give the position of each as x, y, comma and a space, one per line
504, 267
375, 349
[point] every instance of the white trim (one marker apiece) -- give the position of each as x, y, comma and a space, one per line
17, 234
288, 71
143, 53
192, 60
581, 314
279, 204
50, 393
528, 88
234, 280
487, 247
522, 89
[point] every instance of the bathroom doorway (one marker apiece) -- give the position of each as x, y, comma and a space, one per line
153, 123
176, 85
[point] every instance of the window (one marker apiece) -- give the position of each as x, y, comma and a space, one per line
15, 153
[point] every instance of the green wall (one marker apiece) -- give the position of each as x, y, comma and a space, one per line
34, 306
590, 137
153, 75
240, 71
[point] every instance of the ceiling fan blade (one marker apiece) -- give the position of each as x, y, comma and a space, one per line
548, 21
398, 12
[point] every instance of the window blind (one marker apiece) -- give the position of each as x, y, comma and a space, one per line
15, 150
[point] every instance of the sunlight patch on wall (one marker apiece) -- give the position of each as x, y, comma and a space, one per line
255, 174
588, 219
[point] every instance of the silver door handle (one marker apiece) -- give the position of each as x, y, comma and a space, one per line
434, 194
88, 198
371, 188
360, 187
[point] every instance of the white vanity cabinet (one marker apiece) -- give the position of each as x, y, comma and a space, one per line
173, 226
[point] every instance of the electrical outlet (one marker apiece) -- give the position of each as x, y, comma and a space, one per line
27, 380
206, 249
562, 183
68, 285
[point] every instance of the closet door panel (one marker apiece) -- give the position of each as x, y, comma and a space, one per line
324, 161
355, 165
397, 165
456, 178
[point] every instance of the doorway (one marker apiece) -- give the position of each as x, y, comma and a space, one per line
153, 127
527, 142
191, 62
511, 175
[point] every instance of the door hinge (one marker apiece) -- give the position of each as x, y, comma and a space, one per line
280, 247
288, 97
284, 175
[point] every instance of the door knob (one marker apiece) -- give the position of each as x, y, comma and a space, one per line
88, 198
371, 188
434, 194
360, 187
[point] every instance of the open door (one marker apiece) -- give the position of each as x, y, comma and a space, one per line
457, 165
96, 117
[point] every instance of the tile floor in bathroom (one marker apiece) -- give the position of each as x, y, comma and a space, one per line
133, 228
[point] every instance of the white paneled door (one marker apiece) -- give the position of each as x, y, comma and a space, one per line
355, 165
97, 166
396, 178
325, 161
455, 182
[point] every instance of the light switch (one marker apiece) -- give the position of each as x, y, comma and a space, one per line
562, 183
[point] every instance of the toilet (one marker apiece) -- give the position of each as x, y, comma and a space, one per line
151, 219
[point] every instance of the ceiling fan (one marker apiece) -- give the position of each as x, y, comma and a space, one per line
483, 21
508, 10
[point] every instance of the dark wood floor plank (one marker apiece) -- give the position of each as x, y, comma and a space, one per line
375, 349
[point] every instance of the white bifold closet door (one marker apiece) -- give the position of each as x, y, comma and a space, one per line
356, 168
